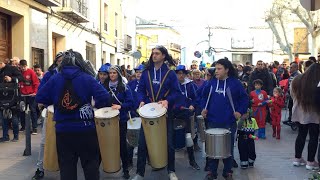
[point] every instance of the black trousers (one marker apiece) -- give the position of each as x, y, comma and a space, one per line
290, 105
246, 147
74, 145
301, 139
123, 146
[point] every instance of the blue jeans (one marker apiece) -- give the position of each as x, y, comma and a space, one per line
214, 163
15, 125
30, 100
142, 150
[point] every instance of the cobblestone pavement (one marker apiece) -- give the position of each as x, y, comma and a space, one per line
274, 162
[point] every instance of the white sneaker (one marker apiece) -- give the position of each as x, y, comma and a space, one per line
312, 165
172, 176
137, 177
299, 162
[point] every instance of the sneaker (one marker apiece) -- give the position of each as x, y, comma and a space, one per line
312, 165
244, 166
228, 176
126, 175
137, 177
3, 139
22, 129
34, 131
299, 162
251, 165
235, 164
287, 122
194, 165
172, 176
38, 175
15, 139
210, 176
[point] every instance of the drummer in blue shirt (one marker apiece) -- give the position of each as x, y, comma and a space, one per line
184, 108
159, 74
219, 111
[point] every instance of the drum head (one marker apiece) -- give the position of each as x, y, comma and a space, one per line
200, 117
152, 110
217, 131
134, 124
50, 108
44, 113
106, 112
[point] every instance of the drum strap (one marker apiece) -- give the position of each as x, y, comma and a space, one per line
154, 99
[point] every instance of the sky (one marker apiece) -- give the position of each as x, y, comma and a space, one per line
191, 17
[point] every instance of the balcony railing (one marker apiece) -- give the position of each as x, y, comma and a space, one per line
49, 2
75, 9
127, 43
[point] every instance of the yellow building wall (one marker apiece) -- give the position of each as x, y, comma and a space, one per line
142, 42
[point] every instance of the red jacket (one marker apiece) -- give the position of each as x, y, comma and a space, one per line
30, 82
276, 105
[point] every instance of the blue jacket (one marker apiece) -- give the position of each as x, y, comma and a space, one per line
47, 77
134, 85
186, 98
169, 91
85, 87
219, 107
126, 100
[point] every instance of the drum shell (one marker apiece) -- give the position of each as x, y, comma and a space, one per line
108, 133
192, 126
133, 133
50, 157
155, 131
201, 129
218, 146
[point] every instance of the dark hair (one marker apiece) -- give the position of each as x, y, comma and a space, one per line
247, 69
248, 63
167, 57
279, 90
285, 75
304, 87
228, 65
313, 59
123, 71
308, 63
23, 62
276, 63
258, 81
36, 66
121, 86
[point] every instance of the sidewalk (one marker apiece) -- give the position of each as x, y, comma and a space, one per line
274, 162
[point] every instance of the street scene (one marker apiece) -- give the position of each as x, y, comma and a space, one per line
145, 89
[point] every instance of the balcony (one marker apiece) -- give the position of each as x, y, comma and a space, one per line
127, 43
75, 9
175, 47
49, 2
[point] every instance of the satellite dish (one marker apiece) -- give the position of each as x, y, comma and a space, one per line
197, 54
137, 54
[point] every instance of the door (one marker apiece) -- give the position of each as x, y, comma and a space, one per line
5, 50
38, 57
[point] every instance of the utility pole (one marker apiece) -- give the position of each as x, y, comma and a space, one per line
209, 51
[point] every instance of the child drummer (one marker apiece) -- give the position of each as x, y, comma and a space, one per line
247, 129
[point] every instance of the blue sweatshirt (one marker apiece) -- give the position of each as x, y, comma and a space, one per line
85, 87
169, 91
134, 85
219, 107
185, 99
126, 100
47, 77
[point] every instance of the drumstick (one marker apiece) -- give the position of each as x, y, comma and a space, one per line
208, 98
130, 119
230, 99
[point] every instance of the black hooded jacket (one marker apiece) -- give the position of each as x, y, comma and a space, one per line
10, 71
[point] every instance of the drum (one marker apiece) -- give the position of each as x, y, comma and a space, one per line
218, 143
154, 124
50, 157
108, 132
179, 134
133, 131
192, 126
201, 127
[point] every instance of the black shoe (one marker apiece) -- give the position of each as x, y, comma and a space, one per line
22, 129
235, 164
244, 166
194, 165
34, 131
228, 176
126, 175
38, 175
3, 139
130, 164
210, 176
251, 165
16, 139
287, 122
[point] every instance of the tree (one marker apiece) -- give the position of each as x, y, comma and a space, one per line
284, 12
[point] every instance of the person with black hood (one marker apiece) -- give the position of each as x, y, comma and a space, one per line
53, 69
261, 73
158, 77
220, 111
121, 100
71, 91
8, 76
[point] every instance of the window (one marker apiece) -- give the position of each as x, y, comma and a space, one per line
105, 27
38, 57
116, 24
91, 53
241, 58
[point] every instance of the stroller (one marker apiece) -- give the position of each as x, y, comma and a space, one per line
10, 99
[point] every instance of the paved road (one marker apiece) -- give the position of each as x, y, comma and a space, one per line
274, 162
